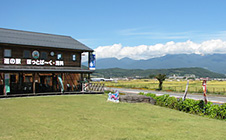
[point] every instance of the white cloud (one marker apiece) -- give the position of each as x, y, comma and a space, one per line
151, 33
147, 52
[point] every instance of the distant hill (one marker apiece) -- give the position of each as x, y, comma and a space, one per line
214, 62
117, 72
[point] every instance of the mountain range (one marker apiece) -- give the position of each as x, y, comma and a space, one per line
213, 62
117, 72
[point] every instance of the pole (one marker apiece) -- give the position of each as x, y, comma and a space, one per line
33, 75
186, 90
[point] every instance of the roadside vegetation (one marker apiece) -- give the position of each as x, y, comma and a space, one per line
91, 117
191, 106
213, 87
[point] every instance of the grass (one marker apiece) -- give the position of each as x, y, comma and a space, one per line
213, 87
87, 117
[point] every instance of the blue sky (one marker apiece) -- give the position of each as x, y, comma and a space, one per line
124, 22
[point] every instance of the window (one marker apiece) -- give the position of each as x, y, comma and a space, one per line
7, 53
59, 56
44, 55
27, 54
27, 79
13, 78
74, 57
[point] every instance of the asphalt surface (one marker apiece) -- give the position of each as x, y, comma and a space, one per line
212, 98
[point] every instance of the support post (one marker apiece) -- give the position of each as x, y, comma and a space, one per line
53, 83
89, 59
4, 90
81, 82
33, 76
89, 77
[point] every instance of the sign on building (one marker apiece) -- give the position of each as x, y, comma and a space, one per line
92, 61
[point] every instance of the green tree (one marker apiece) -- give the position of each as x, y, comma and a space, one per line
151, 76
160, 78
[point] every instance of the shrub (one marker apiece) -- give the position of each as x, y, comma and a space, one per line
151, 95
141, 93
190, 106
171, 102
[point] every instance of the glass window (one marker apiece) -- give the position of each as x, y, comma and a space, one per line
27, 54
7, 53
59, 56
74, 57
44, 55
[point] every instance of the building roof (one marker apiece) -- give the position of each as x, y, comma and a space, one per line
9, 36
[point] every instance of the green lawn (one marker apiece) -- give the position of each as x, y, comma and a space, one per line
91, 117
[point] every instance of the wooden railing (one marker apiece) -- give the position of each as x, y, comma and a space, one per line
95, 87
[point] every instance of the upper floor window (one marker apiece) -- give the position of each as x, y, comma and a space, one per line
74, 57
44, 55
59, 56
7, 53
27, 54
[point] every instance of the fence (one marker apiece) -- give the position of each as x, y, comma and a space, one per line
191, 89
95, 87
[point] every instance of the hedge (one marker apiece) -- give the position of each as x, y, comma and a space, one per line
190, 106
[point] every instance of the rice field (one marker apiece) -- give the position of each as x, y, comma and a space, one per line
213, 87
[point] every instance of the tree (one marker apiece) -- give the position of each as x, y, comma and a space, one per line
160, 78
151, 76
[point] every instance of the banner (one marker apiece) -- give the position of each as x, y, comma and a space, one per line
7, 84
61, 83
186, 91
204, 90
92, 61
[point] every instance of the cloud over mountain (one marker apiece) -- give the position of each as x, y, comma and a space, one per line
158, 50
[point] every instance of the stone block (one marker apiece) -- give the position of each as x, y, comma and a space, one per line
136, 99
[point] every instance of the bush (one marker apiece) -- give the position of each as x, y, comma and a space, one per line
190, 106
171, 102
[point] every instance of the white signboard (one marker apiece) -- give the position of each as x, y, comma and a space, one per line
12, 61
17, 61
43, 62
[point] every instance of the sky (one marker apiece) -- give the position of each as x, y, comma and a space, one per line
138, 29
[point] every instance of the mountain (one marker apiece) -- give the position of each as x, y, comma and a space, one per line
117, 72
214, 62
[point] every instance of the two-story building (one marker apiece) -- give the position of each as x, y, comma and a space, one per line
32, 62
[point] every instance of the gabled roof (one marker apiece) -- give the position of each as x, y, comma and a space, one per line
9, 36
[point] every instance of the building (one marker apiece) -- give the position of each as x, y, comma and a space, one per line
34, 63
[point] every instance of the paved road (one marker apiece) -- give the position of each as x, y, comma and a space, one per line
211, 98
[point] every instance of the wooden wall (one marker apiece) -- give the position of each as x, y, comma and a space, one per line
17, 52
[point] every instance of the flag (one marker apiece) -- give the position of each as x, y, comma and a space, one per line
204, 90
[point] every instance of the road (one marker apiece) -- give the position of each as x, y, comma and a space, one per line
212, 98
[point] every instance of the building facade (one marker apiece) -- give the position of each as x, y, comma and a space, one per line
33, 62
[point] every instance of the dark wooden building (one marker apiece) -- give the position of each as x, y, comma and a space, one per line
33, 62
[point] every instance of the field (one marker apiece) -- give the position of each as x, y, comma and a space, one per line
213, 87
87, 117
